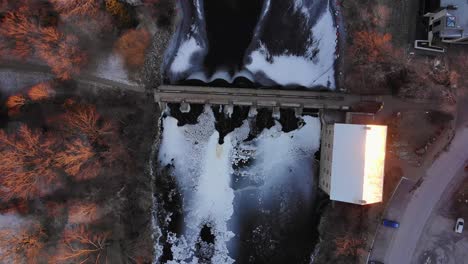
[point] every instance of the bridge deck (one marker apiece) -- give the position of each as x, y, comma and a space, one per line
258, 97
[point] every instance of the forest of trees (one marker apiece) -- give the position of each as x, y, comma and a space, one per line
63, 175
38, 164
64, 165
64, 34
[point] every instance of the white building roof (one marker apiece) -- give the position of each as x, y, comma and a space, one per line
460, 14
358, 163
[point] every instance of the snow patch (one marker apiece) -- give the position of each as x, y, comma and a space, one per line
11, 221
181, 61
300, 7
12, 82
302, 70
112, 68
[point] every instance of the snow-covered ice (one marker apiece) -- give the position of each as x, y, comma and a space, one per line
182, 58
304, 70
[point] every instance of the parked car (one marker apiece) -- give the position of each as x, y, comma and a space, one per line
390, 223
374, 262
459, 225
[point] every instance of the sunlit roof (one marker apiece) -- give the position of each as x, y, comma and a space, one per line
374, 163
358, 163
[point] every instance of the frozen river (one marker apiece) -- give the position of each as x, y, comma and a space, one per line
264, 42
240, 187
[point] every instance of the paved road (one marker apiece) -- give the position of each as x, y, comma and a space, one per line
422, 203
436, 179
397, 204
439, 244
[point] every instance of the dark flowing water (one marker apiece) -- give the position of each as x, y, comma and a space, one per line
229, 25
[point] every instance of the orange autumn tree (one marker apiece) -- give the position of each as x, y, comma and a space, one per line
84, 120
78, 160
132, 47
80, 245
371, 46
41, 91
61, 52
14, 103
17, 31
22, 36
23, 245
85, 17
82, 212
27, 163
118, 10
68, 8
38, 92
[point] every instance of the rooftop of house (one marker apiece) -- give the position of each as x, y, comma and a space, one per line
358, 163
458, 19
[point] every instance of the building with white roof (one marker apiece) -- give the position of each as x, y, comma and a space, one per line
352, 162
449, 23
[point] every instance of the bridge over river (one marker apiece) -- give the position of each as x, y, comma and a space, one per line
280, 98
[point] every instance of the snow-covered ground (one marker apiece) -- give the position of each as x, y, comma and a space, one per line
12, 82
206, 170
12, 224
112, 67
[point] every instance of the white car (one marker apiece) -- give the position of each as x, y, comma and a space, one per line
459, 225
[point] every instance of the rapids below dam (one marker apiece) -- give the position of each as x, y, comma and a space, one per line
249, 199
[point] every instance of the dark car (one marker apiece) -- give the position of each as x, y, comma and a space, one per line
390, 223
374, 262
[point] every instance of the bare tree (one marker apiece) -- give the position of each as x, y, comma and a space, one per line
80, 245
78, 160
82, 212
23, 245
27, 163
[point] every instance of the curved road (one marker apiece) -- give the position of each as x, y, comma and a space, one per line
425, 198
